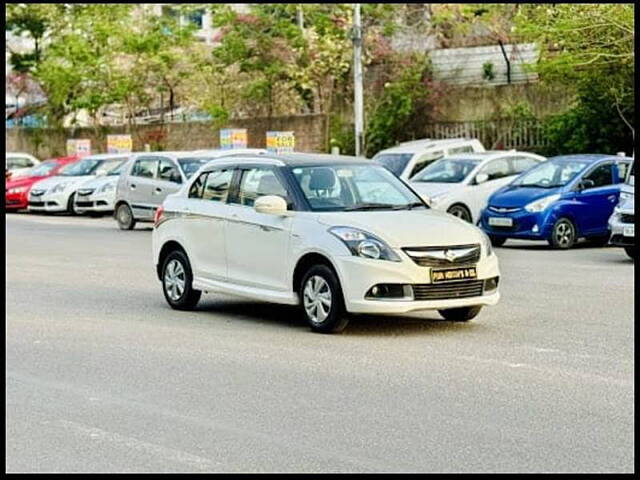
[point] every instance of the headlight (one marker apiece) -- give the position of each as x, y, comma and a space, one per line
486, 243
17, 190
107, 188
59, 187
541, 204
363, 244
625, 195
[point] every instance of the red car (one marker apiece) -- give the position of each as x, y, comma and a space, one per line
17, 188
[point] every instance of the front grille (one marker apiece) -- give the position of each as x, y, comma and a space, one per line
36, 204
84, 204
453, 255
504, 209
447, 291
627, 218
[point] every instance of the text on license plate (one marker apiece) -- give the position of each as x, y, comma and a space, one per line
453, 274
501, 221
628, 231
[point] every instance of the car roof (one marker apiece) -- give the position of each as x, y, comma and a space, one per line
295, 159
587, 157
102, 156
220, 152
426, 144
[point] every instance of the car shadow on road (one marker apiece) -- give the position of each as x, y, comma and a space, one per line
287, 316
544, 246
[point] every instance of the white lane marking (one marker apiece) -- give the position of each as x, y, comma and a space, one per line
154, 449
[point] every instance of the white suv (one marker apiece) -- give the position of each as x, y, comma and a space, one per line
336, 235
409, 158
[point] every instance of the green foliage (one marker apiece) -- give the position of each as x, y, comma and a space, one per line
488, 72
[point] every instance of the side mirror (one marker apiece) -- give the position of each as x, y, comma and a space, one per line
271, 204
585, 184
481, 178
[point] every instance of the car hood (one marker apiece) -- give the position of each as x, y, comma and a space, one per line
22, 182
57, 179
99, 182
407, 228
516, 197
429, 189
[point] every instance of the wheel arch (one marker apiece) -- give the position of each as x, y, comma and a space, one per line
168, 247
305, 262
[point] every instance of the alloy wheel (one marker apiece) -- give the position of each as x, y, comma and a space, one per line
317, 299
564, 234
461, 213
174, 280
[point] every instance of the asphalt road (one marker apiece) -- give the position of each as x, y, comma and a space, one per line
101, 376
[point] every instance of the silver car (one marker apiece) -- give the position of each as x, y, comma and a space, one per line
148, 178
621, 222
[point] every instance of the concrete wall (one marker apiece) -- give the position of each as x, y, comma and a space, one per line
309, 131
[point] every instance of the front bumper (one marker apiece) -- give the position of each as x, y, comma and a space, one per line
16, 201
49, 202
622, 232
526, 225
359, 275
96, 202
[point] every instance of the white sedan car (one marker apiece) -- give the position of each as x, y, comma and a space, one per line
18, 164
334, 235
97, 195
57, 193
461, 185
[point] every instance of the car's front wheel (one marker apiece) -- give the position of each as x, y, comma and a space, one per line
322, 300
463, 314
497, 241
631, 251
124, 217
460, 211
563, 234
176, 282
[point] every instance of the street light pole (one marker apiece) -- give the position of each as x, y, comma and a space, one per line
357, 78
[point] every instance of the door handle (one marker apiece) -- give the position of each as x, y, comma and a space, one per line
612, 198
133, 186
158, 190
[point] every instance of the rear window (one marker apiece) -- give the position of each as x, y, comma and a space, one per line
190, 166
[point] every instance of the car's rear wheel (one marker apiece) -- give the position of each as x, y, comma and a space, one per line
460, 211
463, 314
322, 300
631, 251
497, 241
563, 234
176, 282
124, 217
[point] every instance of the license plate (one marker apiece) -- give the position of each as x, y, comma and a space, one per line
453, 274
501, 221
628, 231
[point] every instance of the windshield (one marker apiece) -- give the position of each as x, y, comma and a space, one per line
191, 165
447, 170
550, 174
394, 162
43, 169
342, 188
91, 166
118, 169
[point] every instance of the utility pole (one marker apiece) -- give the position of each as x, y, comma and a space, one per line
357, 79
300, 17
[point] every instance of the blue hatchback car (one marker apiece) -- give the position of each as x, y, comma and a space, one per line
560, 200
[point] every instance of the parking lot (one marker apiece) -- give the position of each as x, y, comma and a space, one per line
103, 376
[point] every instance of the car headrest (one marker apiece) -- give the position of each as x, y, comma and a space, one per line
322, 179
269, 185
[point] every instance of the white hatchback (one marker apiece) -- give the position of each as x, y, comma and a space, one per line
335, 235
461, 185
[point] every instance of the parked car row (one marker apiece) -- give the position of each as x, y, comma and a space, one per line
339, 235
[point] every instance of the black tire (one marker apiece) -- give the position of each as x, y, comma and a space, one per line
563, 234
599, 241
71, 208
185, 298
460, 211
463, 314
336, 318
631, 251
124, 217
497, 241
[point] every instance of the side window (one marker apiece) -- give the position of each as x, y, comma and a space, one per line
197, 187
520, 164
145, 167
496, 169
455, 150
216, 186
623, 169
425, 160
168, 171
19, 162
258, 182
600, 176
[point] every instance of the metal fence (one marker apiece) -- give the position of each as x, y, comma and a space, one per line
494, 134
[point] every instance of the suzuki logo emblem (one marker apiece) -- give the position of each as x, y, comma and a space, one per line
450, 255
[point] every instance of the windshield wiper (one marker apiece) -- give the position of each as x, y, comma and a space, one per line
409, 206
369, 206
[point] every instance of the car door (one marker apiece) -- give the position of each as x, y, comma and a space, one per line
168, 181
205, 223
257, 244
595, 204
139, 186
476, 195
